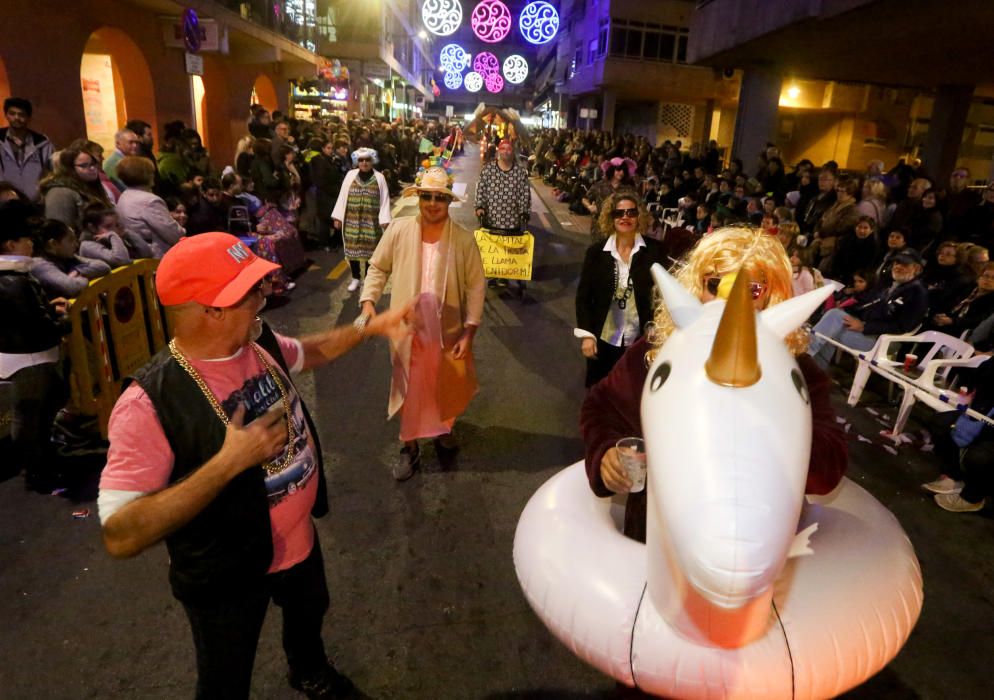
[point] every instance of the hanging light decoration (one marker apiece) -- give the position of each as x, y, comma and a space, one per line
515, 69
491, 21
486, 64
494, 82
452, 79
454, 58
442, 17
539, 22
474, 81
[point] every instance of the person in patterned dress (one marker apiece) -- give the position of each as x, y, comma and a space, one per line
503, 196
362, 211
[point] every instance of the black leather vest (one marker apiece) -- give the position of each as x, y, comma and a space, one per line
231, 539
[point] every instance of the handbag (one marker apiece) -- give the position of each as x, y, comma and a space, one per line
967, 429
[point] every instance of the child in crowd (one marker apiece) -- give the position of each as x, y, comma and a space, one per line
177, 210
863, 290
805, 277
101, 239
61, 271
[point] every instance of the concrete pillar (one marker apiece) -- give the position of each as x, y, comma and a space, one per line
708, 121
756, 120
945, 130
608, 102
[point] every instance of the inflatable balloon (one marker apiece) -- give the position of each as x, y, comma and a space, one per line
744, 588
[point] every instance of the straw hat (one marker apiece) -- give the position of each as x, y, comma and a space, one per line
434, 179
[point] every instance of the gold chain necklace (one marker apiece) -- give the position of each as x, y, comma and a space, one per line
272, 468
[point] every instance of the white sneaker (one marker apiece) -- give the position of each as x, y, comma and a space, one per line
291, 285
353, 285
944, 484
954, 503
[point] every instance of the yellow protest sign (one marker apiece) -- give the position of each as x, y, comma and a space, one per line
506, 257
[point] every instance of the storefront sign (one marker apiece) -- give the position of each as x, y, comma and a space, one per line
506, 257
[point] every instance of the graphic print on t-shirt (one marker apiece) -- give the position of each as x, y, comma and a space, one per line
259, 394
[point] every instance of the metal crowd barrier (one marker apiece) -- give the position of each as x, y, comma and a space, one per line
117, 325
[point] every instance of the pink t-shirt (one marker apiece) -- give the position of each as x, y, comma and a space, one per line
140, 459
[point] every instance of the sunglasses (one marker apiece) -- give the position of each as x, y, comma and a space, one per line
365, 160
628, 213
756, 289
429, 197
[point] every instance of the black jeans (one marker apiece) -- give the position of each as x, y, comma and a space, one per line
600, 366
226, 633
39, 393
974, 465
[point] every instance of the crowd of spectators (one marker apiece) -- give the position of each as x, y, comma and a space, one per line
73, 214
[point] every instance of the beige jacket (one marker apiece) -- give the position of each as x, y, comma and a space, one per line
398, 258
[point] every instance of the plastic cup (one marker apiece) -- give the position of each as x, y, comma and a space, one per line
910, 360
631, 451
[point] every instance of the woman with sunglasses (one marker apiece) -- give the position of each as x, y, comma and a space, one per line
611, 410
362, 212
614, 297
73, 186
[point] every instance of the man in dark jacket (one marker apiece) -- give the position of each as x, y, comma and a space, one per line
29, 350
900, 309
25, 155
213, 451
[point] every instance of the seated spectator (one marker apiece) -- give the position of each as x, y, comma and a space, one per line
907, 209
967, 313
896, 243
862, 291
926, 222
804, 277
837, 221
101, 238
280, 243
60, 269
975, 258
177, 210
788, 233
29, 351
205, 208
900, 309
126, 143
96, 151
945, 279
72, 187
967, 478
855, 251
149, 229
239, 218
873, 202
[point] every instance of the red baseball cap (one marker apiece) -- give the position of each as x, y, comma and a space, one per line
213, 269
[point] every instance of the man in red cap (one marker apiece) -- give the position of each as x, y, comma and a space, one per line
213, 451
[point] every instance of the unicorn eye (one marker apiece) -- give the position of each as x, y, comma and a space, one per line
800, 385
660, 376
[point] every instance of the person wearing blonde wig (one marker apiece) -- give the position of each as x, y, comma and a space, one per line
614, 297
611, 409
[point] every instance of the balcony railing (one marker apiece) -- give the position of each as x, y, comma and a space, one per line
294, 19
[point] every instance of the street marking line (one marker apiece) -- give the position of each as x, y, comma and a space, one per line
338, 270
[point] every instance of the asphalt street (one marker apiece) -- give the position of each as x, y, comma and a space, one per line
425, 601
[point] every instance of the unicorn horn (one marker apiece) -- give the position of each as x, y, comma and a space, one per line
733, 361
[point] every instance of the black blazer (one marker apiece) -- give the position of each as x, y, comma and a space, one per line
596, 290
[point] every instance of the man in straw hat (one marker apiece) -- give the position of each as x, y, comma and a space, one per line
436, 262
213, 451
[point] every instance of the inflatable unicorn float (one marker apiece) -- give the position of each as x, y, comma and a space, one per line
744, 587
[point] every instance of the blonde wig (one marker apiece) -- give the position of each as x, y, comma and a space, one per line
725, 251
611, 202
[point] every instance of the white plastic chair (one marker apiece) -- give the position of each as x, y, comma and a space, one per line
932, 388
943, 345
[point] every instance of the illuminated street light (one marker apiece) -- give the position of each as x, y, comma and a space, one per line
442, 17
452, 80
515, 69
793, 92
491, 21
539, 22
473, 82
486, 64
453, 57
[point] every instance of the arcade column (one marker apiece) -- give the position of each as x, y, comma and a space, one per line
756, 120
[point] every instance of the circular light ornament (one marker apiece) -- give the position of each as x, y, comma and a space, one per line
515, 69
494, 82
538, 22
474, 81
454, 58
486, 64
491, 21
452, 80
442, 17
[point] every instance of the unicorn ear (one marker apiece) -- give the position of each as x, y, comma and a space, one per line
683, 306
789, 315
